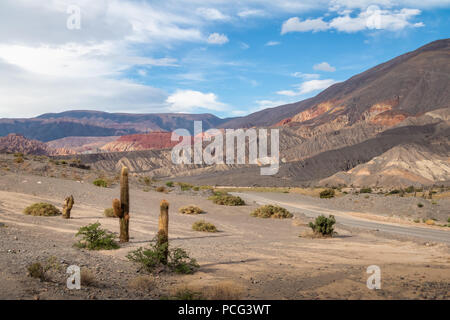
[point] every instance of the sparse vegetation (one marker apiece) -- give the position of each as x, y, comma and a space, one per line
160, 189
410, 189
226, 199
420, 205
185, 186
109, 213
36, 270
395, 191
326, 194
271, 211
100, 183
186, 293
95, 238
39, 270
153, 257
225, 290
365, 190
169, 184
429, 222
204, 226
323, 226
141, 283
190, 210
87, 277
42, 209
19, 160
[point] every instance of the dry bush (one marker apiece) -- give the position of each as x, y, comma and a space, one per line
226, 199
161, 189
141, 283
429, 222
204, 226
225, 290
270, 211
190, 210
109, 212
87, 277
42, 209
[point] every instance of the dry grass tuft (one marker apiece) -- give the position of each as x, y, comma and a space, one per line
141, 283
42, 209
270, 211
87, 277
190, 210
204, 226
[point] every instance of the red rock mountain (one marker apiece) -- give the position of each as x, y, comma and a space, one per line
134, 142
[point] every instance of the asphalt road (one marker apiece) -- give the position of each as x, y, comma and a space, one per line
296, 205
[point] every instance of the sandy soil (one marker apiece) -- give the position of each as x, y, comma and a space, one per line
266, 258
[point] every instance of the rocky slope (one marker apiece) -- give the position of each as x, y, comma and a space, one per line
16, 143
404, 165
81, 144
148, 141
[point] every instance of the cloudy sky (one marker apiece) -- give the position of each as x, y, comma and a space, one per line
226, 57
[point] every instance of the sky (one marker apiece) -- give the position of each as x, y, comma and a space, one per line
225, 57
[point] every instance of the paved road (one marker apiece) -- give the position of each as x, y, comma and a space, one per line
296, 205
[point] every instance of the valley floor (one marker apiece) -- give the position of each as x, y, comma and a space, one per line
265, 258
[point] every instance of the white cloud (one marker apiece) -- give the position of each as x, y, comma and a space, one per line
212, 14
372, 17
272, 43
251, 13
27, 94
306, 76
308, 87
189, 100
244, 46
297, 25
324, 66
216, 38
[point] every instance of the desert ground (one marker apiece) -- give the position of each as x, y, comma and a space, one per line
257, 258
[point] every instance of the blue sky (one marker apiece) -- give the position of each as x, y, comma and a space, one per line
229, 58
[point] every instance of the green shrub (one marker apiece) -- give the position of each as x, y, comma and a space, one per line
196, 188
204, 226
420, 205
42, 209
395, 191
109, 212
18, 155
365, 190
36, 270
100, 183
448, 220
323, 225
410, 189
147, 181
226, 199
326, 194
270, 211
185, 186
169, 184
153, 257
95, 238
190, 210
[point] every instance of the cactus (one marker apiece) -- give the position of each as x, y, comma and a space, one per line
68, 205
122, 207
163, 229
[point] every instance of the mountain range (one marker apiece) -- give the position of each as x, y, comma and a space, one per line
355, 132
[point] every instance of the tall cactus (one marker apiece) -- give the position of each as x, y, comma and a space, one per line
122, 207
68, 205
163, 229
